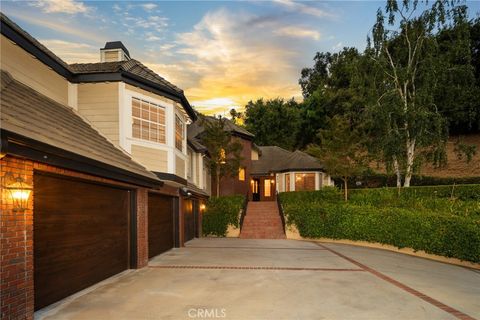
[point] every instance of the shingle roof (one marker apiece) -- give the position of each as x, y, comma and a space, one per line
195, 129
133, 66
276, 159
30, 114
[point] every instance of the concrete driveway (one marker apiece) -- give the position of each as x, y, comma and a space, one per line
279, 279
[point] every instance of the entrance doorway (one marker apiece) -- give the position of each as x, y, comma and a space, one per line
256, 190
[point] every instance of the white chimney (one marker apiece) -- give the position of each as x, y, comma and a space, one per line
114, 51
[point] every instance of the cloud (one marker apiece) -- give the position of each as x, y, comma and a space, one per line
303, 8
58, 27
148, 6
72, 52
298, 32
227, 59
61, 6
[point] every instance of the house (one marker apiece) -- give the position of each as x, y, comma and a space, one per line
266, 170
275, 169
96, 171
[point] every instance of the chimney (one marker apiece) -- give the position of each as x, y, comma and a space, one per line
114, 51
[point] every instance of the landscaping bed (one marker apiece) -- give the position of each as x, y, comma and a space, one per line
442, 220
220, 213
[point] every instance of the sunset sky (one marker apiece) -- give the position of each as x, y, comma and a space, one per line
222, 53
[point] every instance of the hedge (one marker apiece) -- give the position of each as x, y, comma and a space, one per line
379, 215
220, 213
378, 180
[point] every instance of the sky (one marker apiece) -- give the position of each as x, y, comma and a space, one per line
221, 53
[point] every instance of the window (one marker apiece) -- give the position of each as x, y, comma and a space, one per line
241, 174
287, 181
148, 121
268, 188
304, 181
178, 133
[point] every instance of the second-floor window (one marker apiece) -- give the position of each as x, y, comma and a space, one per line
148, 121
178, 133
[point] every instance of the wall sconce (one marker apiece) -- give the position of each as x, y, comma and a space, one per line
272, 181
18, 190
203, 207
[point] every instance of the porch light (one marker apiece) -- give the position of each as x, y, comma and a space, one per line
272, 181
19, 191
203, 207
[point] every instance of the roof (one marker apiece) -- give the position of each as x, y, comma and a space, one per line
276, 159
133, 66
29, 114
131, 71
116, 45
195, 129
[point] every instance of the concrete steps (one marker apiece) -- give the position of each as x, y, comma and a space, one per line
262, 221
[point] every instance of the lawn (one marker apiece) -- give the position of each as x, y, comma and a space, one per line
443, 220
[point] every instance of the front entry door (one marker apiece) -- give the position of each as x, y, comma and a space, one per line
256, 190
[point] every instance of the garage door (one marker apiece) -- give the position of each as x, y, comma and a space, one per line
189, 219
160, 224
80, 236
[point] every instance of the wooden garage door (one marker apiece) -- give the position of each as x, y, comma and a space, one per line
80, 236
160, 224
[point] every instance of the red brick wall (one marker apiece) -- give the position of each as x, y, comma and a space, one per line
16, 248
231, 185
16, 240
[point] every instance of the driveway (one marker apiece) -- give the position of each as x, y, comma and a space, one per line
280, 279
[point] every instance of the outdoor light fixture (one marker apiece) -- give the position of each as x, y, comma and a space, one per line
203, 207
185, 192
19, 191
272, 181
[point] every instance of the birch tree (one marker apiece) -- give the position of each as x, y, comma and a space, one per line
404, 49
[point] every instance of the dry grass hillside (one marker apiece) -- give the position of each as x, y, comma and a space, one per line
456, 168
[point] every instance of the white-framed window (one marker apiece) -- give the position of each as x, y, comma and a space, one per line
148, 121
179, 133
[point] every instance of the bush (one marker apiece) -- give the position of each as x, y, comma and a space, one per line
220, 213
423, 218
379, 180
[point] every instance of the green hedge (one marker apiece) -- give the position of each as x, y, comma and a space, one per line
379, 180
420, 219
220, 213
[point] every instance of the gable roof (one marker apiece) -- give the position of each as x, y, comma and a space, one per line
276, 159
132, 71
28, 114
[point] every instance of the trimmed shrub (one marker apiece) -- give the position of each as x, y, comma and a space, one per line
421, 218
220, 213
379, 180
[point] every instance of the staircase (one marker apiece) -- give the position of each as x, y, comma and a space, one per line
262, 221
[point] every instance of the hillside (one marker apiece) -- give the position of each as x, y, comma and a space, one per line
456, 168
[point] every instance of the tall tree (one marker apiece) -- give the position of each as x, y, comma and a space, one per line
341, 150
223, 150
414, 127
273, 122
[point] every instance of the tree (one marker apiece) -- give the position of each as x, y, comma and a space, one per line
224, 151
237, 117
273, 122
341, 150
411, 123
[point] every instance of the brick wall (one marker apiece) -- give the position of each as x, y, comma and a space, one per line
16, 247
16, 239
